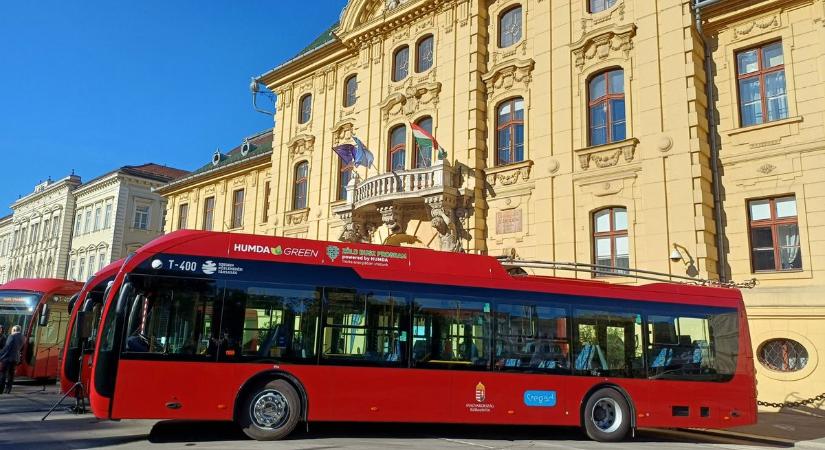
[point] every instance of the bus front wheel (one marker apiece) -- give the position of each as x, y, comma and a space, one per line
606, 416
271, 412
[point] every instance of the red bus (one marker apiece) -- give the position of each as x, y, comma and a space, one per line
77, 353
271, 331
39, 306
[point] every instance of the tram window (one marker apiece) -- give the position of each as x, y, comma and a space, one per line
531, 338
365, 326
451, 333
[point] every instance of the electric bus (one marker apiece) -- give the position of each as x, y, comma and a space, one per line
272, 331
39, 306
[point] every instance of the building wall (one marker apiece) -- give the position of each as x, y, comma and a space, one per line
251, 177
777, 159
43, 255
543, 207
6, 228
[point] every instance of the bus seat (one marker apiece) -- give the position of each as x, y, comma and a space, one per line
700, 351
585, 358
270, 339
663, 358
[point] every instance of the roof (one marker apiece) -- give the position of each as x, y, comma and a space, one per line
409, 264
43, 285
152, 170
325, 37
260, 144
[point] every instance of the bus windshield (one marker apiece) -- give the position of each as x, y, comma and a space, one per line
16, 307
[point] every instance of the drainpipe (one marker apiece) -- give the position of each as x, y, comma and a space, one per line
714, 147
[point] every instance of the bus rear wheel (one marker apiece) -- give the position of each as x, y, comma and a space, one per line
271, 412
606, 416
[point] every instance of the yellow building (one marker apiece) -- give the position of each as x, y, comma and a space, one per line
231, 193
574, 130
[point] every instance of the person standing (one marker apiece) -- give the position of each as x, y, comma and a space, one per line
9, 358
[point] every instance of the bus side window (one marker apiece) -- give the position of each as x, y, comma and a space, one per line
454, 332
608, 343
268, 321
366, 326
531, 338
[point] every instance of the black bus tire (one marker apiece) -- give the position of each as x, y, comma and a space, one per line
270, 412
606, 416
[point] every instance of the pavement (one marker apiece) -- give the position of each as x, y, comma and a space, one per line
21, 427
797, 427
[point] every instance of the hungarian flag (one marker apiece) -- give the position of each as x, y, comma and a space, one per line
426, 140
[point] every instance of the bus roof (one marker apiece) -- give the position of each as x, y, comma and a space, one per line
42, 285
409, 264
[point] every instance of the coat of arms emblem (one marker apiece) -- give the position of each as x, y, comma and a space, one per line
333, 252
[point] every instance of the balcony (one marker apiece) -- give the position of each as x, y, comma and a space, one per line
393, 199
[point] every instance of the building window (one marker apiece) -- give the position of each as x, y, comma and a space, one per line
81, 270
265, 214
46, 230
600, 5
423, 156
98, 216
401, 63
72, 265
783, 355
208, 213
78, 222
141, 221
107, 216
344, 177
610, 241
299, 195
510, 131
91, 265
306, 109
761, 78
102, 261
396, 154
774, 235
350, 90
509, 27
183, 213
606, 107
237, 208
87, 221
424, 54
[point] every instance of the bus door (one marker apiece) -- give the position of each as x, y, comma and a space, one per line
45, 340
365, 344
167, 365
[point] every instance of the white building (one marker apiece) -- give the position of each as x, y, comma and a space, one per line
41, 230
5, 245
115, 214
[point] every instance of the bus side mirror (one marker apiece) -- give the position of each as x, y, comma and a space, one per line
84, 324
44, 316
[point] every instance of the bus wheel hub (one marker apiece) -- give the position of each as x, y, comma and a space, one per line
606, 415
270, 409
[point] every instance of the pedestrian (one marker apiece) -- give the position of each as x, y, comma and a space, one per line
2, 336
9, 358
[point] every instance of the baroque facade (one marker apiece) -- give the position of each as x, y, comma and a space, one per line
623, 133
230, 193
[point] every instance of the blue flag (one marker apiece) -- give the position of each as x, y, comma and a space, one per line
363, 157
346, 152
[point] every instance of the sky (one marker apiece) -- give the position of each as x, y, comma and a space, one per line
91, 85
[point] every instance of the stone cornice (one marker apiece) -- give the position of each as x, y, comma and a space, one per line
213, 175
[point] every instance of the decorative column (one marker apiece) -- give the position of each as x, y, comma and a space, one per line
442, 218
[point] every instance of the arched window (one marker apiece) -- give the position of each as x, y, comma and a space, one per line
600, 5
510, 131
401, 63
306, 109
509, 27
350, 90
424, 54
610, 242
397, 148
423, 156
299, 199
605, 96
344, 177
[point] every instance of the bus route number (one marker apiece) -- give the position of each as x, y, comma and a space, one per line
187, 266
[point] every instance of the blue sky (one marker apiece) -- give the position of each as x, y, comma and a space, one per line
92, 85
